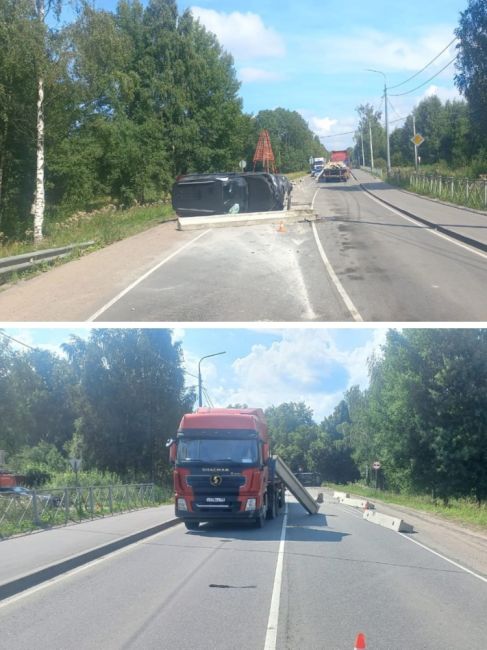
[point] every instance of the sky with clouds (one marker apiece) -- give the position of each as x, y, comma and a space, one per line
312, 56
260, 367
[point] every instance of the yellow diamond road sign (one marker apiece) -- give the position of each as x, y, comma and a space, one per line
417, 139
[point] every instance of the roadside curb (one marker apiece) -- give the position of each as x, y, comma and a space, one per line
431, 224
26, 581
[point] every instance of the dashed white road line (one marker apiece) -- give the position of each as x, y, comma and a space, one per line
271, 635
146, 275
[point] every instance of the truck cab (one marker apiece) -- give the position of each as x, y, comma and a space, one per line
222, 468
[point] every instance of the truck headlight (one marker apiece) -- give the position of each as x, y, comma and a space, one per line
250, 505
182, 504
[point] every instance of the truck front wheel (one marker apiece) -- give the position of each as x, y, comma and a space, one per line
272, 508
192, 525
260, 521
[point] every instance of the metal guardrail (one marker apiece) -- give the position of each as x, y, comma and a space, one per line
42, 509
461, 191
28, 260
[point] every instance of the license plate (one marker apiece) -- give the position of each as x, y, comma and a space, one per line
215, 499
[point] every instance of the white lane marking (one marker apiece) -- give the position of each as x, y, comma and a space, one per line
271, 635
146, 275
49, 583
443, 557
428, 228
313, 200
338, 285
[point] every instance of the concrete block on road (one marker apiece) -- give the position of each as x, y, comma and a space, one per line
357, 503
341, 495
394, 523
246, 219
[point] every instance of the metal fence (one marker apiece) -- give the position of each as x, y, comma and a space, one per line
461, 191
41, 509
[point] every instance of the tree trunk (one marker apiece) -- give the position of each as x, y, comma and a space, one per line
38, 204
39, 196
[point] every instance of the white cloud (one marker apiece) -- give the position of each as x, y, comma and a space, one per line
372, 48
298, 368
444, 94
321, 125
244, 35
249, 75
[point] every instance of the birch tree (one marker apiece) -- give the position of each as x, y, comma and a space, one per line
39, 202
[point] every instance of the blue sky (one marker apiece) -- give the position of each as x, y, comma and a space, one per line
260, 366
312, 56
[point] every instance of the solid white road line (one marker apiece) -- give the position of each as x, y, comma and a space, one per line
476, 575
344, 295
338, 285
143, 277
271, 635
428, 228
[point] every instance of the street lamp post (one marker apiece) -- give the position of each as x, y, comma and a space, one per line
200, 397
371, 149
386, 118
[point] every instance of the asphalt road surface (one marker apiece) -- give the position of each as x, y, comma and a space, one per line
314, 585
360, 261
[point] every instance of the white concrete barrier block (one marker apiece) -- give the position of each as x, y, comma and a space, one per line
394, 523
357, 503
246, 219
341, 495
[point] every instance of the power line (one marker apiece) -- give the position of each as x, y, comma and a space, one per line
425, 82
426, 66
17, 341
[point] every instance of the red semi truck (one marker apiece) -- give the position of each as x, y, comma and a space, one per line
223, 469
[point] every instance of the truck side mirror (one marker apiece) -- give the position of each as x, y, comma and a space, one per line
265, 452
172, 450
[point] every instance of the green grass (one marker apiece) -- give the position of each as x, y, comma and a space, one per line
103, 227
462, 511
293, 175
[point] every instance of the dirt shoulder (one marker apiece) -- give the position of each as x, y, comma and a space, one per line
76, 290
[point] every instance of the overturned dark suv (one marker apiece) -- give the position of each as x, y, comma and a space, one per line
196, 195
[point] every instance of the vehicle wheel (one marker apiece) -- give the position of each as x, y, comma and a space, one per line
272, 508
282, 498
260, 521
192, 525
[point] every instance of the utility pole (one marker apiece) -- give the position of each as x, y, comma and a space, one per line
415, 145
387, 128
363, 155
386, 116
371, 148
200, 389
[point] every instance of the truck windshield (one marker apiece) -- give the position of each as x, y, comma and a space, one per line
207, 450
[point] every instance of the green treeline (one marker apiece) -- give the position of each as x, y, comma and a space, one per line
423, 416
117, 397
113, 401
451, 137
132, 99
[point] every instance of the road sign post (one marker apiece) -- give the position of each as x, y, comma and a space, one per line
376, 467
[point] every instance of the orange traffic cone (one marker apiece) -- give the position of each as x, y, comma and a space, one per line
281, 227
360, 642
